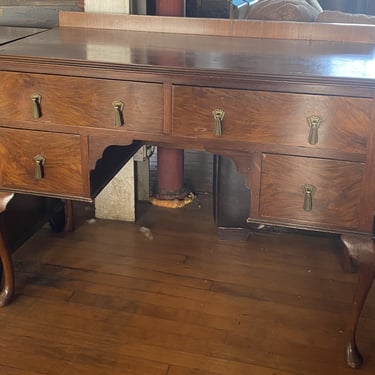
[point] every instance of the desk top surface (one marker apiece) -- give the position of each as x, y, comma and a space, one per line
9, 34
317, 61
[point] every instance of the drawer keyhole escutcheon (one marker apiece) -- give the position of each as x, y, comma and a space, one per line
36, 100
308, 191
314, 124
218, 117
39, 166
118, 106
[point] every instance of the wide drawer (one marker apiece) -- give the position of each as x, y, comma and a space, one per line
326, 122
49, 99
37, 161
310, 191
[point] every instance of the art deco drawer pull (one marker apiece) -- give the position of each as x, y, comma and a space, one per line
37, 109
119, 116
218, 117
314, 124
39, 166
308, 191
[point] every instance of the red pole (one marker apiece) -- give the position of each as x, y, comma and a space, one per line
170, 7
81, 4
170, 161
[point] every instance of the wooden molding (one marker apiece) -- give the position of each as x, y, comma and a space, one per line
221, 27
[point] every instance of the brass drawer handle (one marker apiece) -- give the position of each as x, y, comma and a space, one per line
36, 101
39, 166
118, 106
308, 191
314, 124
218, 118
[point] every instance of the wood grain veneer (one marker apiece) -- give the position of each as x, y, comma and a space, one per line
171, 73
222, 27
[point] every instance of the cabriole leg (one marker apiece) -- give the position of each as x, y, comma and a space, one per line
362, 250
7, 282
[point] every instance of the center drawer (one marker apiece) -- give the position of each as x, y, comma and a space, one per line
41, 162
307, 191
111, 104
316, 121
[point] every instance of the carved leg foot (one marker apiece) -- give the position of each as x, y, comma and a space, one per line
363, 250
353, 356
7, 287
7, 284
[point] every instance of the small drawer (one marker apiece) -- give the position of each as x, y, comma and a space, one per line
316, 121
41, 162
325, 193
110, 104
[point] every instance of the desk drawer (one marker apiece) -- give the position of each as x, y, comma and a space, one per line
48, 99
311, 191
273, 118
59, 157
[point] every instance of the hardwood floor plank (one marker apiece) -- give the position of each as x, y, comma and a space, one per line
15, 371
72, 351
106, 300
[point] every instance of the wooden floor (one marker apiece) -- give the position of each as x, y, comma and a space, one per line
107, 299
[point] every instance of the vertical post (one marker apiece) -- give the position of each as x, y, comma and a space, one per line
81, 4
170, 7
170, 161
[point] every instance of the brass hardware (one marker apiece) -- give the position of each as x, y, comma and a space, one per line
308, 191
218, 117
39, 166
314, 124
119, 116
36, 101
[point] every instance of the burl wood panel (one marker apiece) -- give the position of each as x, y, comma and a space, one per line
272, 118
334, 203
62, 168
82, 101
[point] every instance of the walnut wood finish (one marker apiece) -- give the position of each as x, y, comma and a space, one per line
142, 102
272, 118
363, 251
335, 202
222, 27
9, 34
170, 82
7, 282
62, 170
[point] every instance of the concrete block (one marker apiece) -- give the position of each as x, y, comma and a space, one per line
117, 199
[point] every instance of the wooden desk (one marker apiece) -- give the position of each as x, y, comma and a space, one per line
9, 34
289, 103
